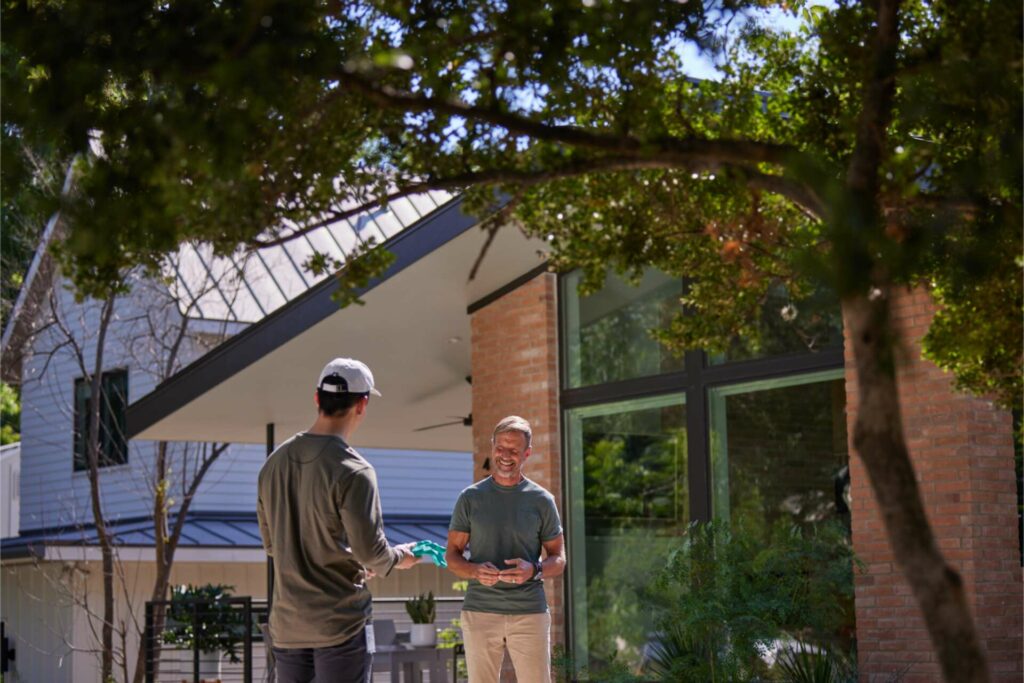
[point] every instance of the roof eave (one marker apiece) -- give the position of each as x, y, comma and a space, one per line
428, 234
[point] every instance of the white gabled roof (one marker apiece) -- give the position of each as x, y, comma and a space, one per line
249, 285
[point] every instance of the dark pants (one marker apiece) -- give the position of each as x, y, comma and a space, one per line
345, 663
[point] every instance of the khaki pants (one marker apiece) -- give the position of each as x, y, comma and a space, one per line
527, 637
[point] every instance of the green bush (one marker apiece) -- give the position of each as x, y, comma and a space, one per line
201, 617
810, 665
731, 595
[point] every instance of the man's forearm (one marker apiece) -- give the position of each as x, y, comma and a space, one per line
459, 565
552, 566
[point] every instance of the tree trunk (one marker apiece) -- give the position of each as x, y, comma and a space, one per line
878, 439
93, 458
163, 562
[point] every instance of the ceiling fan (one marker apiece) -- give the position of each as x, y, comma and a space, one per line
466, 421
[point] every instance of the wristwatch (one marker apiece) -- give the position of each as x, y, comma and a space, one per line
538, 571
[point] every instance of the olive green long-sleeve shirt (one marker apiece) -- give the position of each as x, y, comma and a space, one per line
321, 522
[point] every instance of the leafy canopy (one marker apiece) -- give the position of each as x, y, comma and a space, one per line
10, 414
245, 123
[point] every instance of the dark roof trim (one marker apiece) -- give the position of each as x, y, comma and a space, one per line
505, 289
409, 246
234, 529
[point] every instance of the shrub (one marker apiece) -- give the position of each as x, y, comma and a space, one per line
201, 617
732, 594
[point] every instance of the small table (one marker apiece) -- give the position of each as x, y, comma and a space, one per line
402, 658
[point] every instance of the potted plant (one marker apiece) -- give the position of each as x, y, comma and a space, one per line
422, 611
203, 620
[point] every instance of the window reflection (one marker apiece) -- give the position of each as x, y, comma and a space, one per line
779, 448
630, 500
779, 460
607, 334
786, 326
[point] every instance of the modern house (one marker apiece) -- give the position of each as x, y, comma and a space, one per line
634, 442
49, 564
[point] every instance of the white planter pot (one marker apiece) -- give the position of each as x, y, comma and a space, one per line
422, 635
209, 665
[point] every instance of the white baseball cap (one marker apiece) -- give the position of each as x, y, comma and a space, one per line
346, 376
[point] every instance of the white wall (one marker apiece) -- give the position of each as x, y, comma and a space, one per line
420, 482
10, 489
44, 615
411, 482
38, 617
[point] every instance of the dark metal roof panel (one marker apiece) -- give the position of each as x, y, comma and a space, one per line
206, 530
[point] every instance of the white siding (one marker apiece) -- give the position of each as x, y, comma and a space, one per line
10, 489
52, 493
411, 482
245, 287
231, 482
420, 482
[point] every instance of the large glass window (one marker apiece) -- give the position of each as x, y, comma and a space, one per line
708, 439
779, 462
778, 449
786, 327
629, 498
607, 335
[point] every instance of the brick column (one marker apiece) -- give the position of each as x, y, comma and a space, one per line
962, 450
515, 372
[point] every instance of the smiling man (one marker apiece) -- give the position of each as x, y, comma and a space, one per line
505, 521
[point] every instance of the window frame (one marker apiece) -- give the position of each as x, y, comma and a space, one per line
117, 378
695, 381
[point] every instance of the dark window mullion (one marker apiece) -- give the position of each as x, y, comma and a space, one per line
773, 366
698, 444
81, 435
612, 392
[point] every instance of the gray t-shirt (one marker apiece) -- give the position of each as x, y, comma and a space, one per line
321, 522
504, 523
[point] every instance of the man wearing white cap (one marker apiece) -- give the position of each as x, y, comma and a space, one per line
321, 522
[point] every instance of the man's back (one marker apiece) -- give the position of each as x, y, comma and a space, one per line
321, 521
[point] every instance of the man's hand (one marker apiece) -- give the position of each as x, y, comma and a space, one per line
408, 560
521, 572
486, 573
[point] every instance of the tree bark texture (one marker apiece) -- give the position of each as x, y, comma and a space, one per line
879, 441
96, 498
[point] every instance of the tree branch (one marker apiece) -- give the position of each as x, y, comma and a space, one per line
797, 192
876, 111
690, 149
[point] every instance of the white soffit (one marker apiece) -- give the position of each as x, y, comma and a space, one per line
413, 332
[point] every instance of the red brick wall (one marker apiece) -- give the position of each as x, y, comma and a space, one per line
515, 372
962, 450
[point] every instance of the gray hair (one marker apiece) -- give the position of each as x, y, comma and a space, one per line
513, 423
